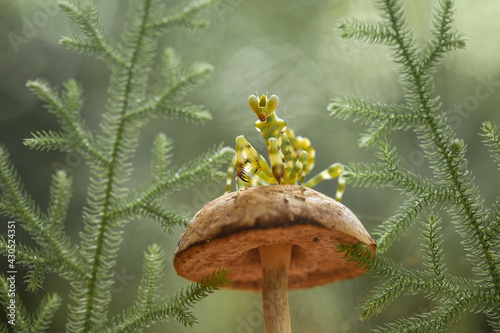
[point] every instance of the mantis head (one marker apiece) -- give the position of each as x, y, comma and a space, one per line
263, 107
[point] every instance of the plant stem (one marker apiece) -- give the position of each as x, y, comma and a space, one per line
111, 182
436, 128
275, 261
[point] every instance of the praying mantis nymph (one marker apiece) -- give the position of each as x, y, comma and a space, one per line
291, 157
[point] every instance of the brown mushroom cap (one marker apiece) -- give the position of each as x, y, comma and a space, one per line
228, 231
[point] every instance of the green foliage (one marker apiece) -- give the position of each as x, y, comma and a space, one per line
37, 323
110, 204
150, 307
450, 191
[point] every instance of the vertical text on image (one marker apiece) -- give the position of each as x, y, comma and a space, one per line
11, 272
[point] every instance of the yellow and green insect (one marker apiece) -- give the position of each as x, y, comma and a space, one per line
291, 157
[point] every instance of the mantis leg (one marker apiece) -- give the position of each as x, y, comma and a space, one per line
245, 153
288, 150
303, 160
301, 144
277, 160
247, 159
299, 170
334, 170
256, 178
229, 176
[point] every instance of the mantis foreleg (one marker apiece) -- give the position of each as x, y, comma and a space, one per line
247, 159
332, 171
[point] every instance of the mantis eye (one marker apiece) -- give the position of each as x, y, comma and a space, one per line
272, 103
253, 102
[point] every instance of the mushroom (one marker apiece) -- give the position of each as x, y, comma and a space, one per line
272, 243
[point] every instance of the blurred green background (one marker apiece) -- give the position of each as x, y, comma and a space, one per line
256, 38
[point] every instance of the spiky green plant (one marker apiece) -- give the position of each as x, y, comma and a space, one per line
451, 192
88, 264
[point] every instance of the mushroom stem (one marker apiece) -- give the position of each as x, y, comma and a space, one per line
275, 261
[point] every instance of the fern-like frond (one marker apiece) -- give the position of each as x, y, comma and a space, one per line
95, 41
108, 206
394, 227
166, 103
37, 260
152, 273
371, 33
188, 297
478, 246
398, 280
405, 52
390, 173
443, 39
204, 167
14, 198
494, 317
168, 219
45, 312
447, 158
434, 321
493, 230
377, 132
34, 278
67, 109
398, 116
41, 261
7, 293
188, 17
23, 322
47, 141
142, 203
389, 290
432, 245
161, 157
24, 254
100, 244
452, 182
103, 235
171, 66
491, 136
60, 196
22, 207
360, 255
381, 118
170, 110
178, 306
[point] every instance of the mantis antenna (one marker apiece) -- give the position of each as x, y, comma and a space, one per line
283, 70
276, 78
256, 93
